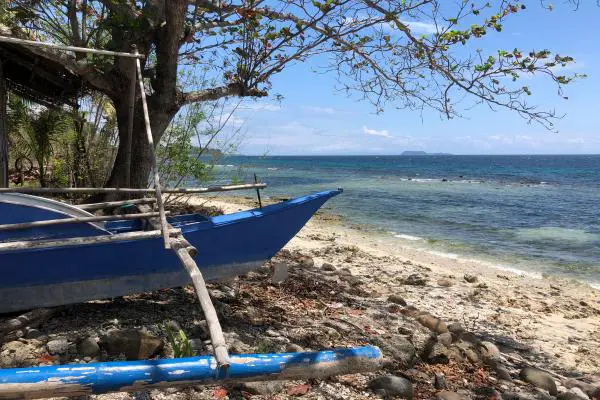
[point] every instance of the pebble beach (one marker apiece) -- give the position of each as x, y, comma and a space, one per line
448, 328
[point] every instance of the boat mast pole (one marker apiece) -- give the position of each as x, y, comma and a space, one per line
157, 189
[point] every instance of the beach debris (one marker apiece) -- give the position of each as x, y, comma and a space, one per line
396, 299
470, 278
391, 385
415, 280
135, 344
539, 378
20, 354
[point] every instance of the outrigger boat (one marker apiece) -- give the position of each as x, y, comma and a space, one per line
227, 246
52, 254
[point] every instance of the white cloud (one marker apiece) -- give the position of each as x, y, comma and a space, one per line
319, 110
420, 27
373, 132
260, 107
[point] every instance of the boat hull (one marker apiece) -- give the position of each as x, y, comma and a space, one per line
228, 246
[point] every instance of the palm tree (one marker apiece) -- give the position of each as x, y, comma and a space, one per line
33, 131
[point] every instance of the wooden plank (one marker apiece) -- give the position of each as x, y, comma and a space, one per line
130, 119
76, 49
157, 188
74, 220
112, 204
224, 188
82, 241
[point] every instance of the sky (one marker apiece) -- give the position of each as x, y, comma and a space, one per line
315, 119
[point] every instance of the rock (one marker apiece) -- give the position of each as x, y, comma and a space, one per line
415, 280
281, 271
391, 385
306, 262
573, 394
328, 267
263, 388
397, 347
585, 387
447, 395
19, 354
456, 328
197, 345
470, 278
595, 395
502, 372
33, 333
344, 271
58, 346
200, 330
88, 347
439, 381
135, 344
294, 348
444, 282
434, 324
445, 339
489, 349
396, 299
539, 378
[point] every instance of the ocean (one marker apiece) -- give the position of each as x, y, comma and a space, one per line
537, 214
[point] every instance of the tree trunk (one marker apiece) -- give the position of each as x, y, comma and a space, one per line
3, 132
141, 162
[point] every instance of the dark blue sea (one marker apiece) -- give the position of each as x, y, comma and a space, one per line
538, 214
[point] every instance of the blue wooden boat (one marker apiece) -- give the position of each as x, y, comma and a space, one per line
228, 245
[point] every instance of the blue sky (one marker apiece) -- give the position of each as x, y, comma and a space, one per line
313, 118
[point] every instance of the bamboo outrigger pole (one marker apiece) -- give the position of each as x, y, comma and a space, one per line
159, 201
34, 43
75, 220
80, 190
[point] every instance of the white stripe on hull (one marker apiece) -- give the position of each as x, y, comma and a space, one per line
26, 297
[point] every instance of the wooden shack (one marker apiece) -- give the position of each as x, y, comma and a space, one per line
37, 75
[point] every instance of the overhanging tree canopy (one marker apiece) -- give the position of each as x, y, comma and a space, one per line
238, 46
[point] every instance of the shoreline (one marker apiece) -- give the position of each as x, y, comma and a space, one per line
561, 316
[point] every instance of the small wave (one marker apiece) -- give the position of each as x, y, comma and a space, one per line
555, 234
273, 169
408, 237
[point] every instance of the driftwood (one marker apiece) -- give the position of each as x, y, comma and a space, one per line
79, 241
38, 315
112, 204
225, 188
16, 328
62, 221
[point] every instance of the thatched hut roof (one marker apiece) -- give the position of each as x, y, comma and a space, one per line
38, 75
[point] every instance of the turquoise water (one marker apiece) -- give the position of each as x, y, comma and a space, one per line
534, 213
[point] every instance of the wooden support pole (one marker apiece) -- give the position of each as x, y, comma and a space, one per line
185, 251
3, 131
40, 191
76, 49
159, 200
82, 241
210, 314
132, 80
74, 220
112, 204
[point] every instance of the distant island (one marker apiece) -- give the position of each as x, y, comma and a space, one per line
423, 153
